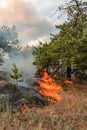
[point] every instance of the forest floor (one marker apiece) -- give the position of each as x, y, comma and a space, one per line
68, 114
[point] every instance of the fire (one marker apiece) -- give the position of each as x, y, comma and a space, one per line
49, 88
68, 82
23, 108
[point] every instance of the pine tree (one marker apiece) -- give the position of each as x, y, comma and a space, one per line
69, 47
16, 75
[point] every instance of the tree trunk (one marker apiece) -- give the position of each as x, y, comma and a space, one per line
69, 72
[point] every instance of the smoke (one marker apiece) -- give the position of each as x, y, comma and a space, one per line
24, 61
30, 22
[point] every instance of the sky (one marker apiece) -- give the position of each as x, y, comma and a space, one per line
34, 19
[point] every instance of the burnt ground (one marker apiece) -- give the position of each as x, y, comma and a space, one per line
16, 97
68, 114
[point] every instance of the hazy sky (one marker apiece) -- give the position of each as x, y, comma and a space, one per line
34, 19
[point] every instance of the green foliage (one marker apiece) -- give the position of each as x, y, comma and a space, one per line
16, 75
8, 40
69, 46
8, 37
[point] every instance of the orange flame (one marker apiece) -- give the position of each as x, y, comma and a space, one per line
68, 82
49, 88
23, 108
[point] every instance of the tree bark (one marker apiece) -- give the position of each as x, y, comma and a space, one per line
69, 73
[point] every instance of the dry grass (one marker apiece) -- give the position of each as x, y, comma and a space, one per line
68, 114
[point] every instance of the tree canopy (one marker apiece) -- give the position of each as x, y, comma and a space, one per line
8, 37
68, 48
8, 40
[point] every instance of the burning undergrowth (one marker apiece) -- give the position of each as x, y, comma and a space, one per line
43, 92
49, 88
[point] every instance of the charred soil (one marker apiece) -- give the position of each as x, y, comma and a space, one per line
70, 113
